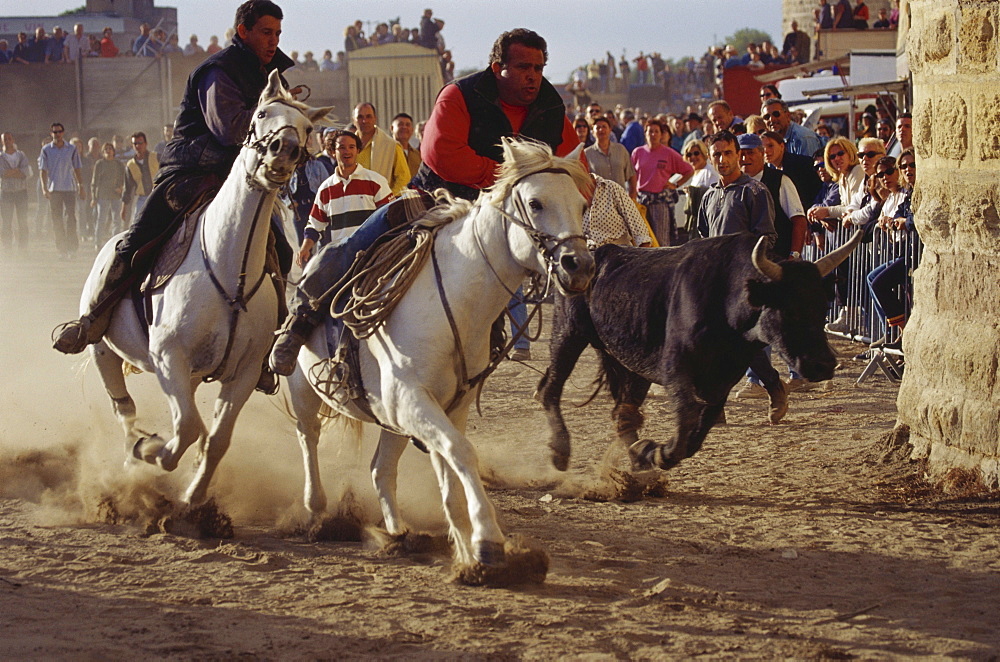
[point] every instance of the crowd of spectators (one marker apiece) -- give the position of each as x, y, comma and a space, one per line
427, 35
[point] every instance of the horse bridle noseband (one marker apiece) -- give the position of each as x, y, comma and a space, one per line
259, 145
539, 238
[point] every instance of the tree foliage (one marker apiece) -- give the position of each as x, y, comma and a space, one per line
744, 36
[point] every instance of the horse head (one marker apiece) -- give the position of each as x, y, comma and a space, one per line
794, 305
279, 134
543, 195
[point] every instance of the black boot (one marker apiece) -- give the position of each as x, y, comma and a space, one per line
296, 332
73, 337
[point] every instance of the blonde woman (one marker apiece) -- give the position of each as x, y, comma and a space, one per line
755, 124
841, 158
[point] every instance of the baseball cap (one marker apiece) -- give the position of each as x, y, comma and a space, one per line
749, 141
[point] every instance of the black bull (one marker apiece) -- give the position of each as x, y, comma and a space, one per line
693, 319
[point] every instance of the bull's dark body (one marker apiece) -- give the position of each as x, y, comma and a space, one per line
692, 318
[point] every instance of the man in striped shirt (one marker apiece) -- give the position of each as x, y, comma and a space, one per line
345, 200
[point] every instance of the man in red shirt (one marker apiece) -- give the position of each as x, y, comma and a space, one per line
461, 142
460, 152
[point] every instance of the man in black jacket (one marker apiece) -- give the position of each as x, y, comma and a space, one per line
215, 116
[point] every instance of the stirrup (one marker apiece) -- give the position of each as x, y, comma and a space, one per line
71, 337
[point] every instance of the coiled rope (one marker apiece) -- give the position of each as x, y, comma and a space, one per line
379, 278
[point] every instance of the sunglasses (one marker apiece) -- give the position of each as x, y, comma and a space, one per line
870, 155
886, 173
766, 95
774, 114
693, 153
837, 155
819, 166
57, 131
907, 166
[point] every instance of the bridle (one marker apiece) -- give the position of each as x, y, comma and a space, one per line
259, 144
546, 244
238, 303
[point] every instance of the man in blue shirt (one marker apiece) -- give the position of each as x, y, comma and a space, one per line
633, 136
798, 139
59, 166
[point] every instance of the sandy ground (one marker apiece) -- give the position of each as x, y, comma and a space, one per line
788, 541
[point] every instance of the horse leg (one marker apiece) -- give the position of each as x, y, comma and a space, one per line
385, 468
232, 396
564, 351
429, 423
109, 365
456, 510
306, 404
175, 380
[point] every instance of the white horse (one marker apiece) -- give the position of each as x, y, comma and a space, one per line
216, 316
412, 366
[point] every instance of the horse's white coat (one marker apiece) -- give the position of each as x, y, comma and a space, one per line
410, 367
191, 320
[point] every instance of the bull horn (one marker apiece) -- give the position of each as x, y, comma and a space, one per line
762, 263
832, 260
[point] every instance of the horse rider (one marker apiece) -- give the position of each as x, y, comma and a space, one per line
216, 112
460, 151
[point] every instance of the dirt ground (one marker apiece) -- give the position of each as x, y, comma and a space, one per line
787, 541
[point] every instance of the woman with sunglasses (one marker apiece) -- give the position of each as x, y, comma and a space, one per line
705, 175
844, 167
888, 283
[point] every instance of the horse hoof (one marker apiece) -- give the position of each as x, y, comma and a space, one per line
640, 454
148, 449
560, 461
523, 563
490, 553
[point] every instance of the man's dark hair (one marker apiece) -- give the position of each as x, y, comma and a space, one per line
604, 119
885, 120
403, 115
723, 136
138, 134
365, 103
738, 128
341, 132
55, 124
251, 11
908, 116
501, 47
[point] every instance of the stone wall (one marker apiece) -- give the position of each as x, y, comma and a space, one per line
950, 395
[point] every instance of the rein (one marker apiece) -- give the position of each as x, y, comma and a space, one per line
238, 302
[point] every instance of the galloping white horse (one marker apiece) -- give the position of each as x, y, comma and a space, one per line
217, 314
412, 366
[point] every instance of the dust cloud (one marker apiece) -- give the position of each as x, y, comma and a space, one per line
62, 449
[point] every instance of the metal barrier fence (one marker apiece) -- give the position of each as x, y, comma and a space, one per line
853, 314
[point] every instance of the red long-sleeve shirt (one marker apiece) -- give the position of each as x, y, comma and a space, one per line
445, 146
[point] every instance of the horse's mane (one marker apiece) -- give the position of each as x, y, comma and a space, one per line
522, 157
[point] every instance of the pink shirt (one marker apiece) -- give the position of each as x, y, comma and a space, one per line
654, 168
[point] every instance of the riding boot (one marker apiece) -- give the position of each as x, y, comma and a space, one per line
295, 333
73, 337
267, 383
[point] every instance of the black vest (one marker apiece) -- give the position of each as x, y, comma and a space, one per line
193, 147
544, 122
782, 224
